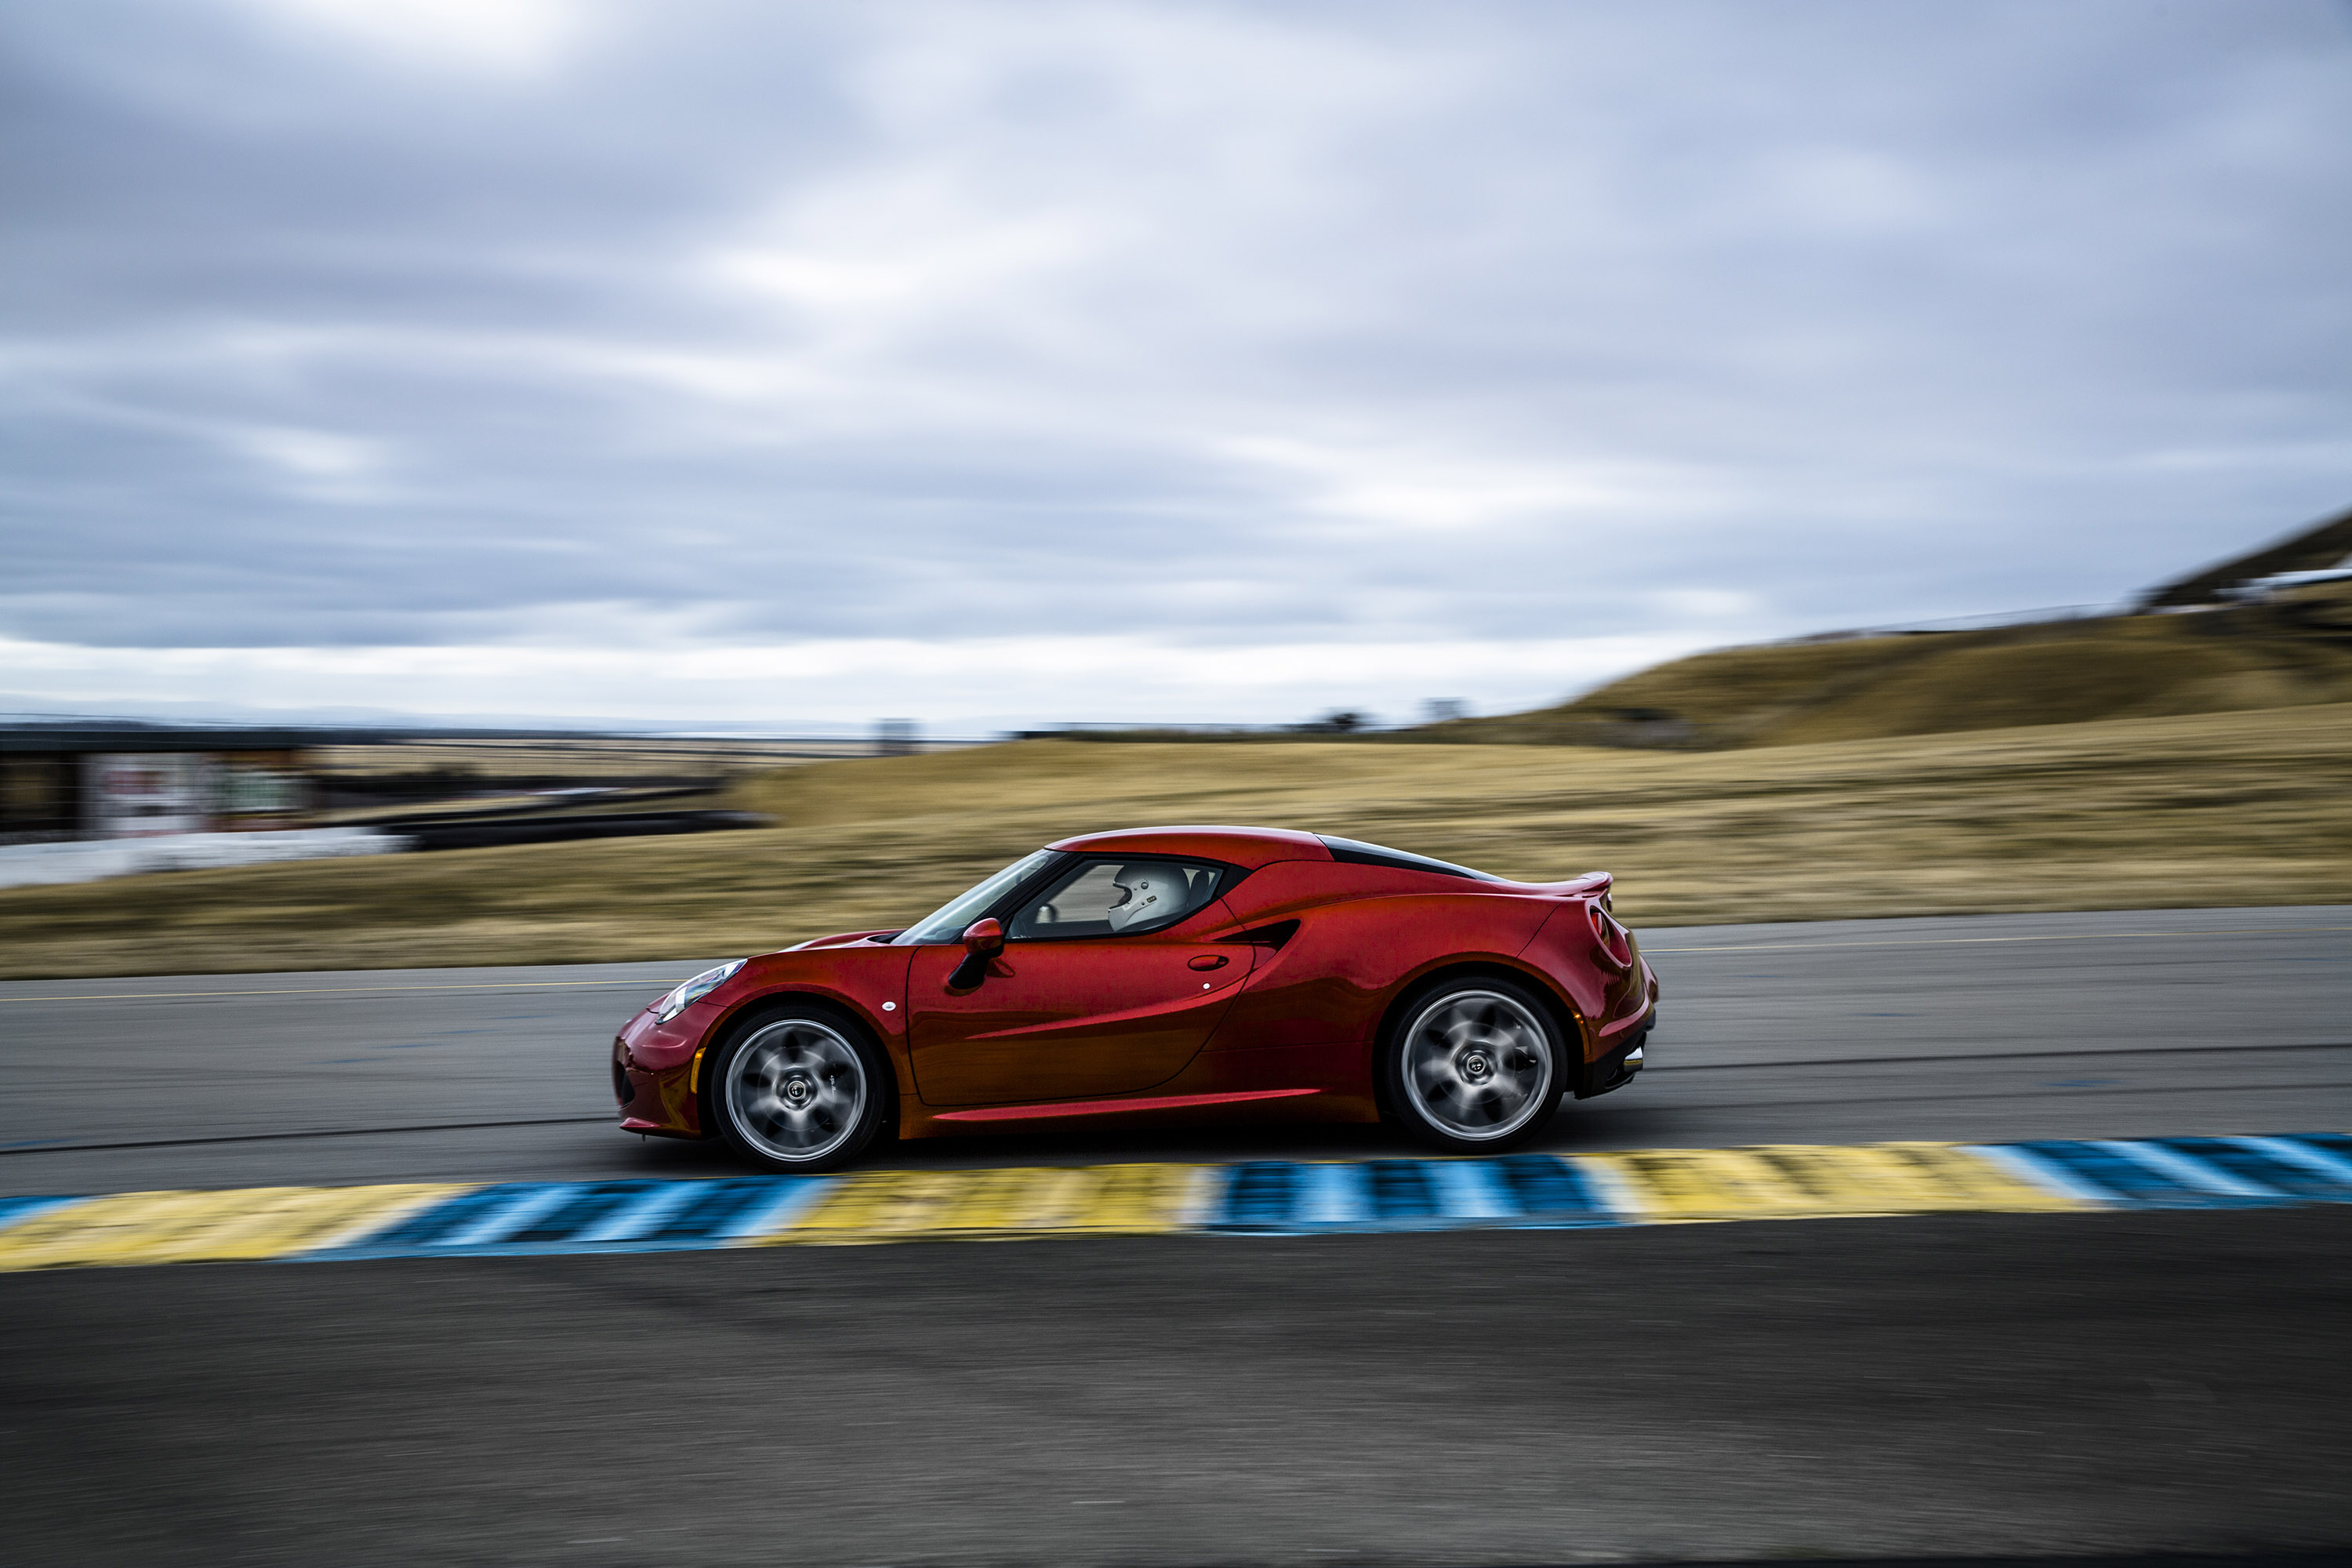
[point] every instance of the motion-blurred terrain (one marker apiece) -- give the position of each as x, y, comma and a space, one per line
2292, 649
2141, 760
2190, 810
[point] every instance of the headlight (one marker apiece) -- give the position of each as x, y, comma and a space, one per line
694, 990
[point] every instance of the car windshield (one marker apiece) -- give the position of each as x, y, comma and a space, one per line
948, 923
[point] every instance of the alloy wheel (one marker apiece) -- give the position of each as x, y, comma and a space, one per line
1477, 1065
796, 1090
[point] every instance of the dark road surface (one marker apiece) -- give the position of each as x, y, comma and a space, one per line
1923, 1386
2070, 1026
1931, 1386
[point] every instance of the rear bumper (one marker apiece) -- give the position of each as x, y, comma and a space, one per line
1622, 1062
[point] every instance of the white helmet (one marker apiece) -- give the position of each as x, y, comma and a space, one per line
1147, 893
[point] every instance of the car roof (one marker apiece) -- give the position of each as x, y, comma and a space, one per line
1245, 847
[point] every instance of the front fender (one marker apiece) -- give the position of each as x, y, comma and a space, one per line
867, 981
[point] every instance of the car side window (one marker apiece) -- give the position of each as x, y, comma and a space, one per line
1123, 897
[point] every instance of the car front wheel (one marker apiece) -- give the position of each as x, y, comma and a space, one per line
1474, 1066
798, 1088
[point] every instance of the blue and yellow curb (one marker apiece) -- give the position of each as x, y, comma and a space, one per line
1270, 1197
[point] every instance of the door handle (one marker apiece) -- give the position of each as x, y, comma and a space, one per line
1209, 961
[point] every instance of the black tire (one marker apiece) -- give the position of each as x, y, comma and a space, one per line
798, 1088
1472, 1065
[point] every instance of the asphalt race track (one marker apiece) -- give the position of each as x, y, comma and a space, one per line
1984, 1029
1929, 1385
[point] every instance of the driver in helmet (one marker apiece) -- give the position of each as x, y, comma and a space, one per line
1146, 893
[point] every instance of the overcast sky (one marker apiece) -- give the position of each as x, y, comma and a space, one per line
695, 361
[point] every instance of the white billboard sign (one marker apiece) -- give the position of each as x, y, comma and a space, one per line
135, 794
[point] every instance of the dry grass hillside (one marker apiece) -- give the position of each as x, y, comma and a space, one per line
2233, 808
2294, 651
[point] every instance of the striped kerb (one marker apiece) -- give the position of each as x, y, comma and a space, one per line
1277, 1197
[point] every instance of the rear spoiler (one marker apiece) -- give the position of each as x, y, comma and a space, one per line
1592, 885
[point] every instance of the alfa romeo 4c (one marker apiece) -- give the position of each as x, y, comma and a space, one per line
1152, 976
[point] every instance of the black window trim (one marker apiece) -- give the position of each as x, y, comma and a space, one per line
1355, 852
1229, 877
1037, 882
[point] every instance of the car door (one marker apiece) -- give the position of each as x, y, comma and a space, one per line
1074, 1008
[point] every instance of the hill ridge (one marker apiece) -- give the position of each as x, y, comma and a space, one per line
2292, 649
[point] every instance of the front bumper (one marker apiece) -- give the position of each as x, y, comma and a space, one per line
653, 1081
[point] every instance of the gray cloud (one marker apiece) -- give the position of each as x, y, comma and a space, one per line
716, 325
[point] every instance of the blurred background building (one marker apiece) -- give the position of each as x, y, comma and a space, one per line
62, 781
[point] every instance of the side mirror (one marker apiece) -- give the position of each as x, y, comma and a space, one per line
983, 939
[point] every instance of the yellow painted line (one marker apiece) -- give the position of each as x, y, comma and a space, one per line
342, 989
1972, 941
191, 1226
1793, 1181
909, 1206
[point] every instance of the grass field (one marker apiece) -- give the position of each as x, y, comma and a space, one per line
2294, 651
2207, 809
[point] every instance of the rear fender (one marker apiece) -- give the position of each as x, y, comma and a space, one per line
1606, 980
1334, 978
1576, 1031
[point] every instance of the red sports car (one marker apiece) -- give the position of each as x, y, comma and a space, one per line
1155, 975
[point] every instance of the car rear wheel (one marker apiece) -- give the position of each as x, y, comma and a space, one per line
1474, 1066
798, 1088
